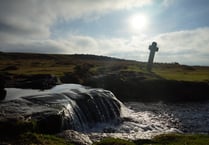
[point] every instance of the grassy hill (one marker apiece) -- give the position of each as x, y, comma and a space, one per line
128, 80
59, 65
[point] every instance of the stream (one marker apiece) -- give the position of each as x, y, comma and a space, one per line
101, 114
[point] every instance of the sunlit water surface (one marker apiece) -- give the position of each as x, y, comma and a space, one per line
146, 120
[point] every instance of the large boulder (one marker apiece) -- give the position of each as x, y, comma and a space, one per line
78, 108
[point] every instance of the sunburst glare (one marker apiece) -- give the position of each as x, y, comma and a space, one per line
138, 22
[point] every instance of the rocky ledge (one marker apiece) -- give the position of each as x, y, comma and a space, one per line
127, 86
131, 86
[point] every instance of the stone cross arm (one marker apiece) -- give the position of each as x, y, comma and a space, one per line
153, 47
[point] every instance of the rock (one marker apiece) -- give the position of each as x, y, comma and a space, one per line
2, 90
39, 81
21, 110
64, 107
9, 68
75, 137
50, 124
2, 94
129, 86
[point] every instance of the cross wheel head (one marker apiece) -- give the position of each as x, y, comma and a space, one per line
154, 43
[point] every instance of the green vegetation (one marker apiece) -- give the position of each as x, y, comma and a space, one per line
128, 80
59, 65
182, 72
113, 141
14, 127
35, 139
26, 132
176, 139
169, 139
20, 133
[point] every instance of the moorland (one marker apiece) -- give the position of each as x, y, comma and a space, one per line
129, 80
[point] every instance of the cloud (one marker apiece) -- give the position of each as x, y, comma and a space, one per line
33, 18
25, 26
189, 47
25, 18
185, 47
168, 3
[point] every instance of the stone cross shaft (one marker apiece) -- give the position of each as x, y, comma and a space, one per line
153, 48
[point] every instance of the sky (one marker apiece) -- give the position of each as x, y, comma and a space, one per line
119, 28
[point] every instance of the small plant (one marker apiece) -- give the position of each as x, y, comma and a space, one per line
113, 141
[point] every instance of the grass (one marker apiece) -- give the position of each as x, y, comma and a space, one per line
182, 73
57, 70
58, 65
114, 141
36, 139
177, 139
27, 133
168, 139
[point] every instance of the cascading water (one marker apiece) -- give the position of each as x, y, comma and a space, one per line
87, 109
78, 108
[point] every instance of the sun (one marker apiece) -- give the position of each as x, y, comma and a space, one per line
138, 22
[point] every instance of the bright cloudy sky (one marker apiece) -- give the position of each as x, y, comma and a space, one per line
119, 28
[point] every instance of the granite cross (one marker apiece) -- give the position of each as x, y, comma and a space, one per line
153, 48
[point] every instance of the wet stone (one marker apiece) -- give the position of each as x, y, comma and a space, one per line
75, 137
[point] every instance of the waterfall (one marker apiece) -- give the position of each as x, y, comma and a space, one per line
81, 109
